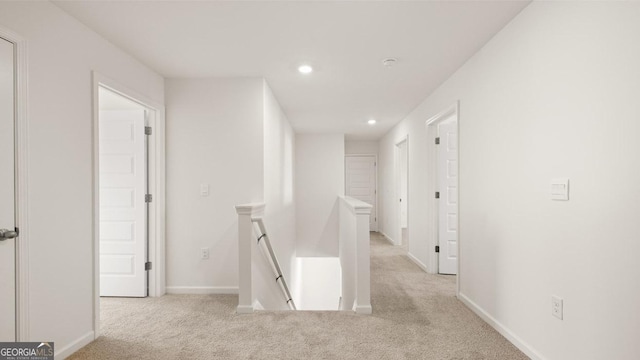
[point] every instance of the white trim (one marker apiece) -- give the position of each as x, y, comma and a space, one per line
444, 114
202, 290
253, 209
390, 240
364, 309
246, 240
420, 264
398, 207
500, 328
355, 206
375, 159
157, 173
74, 346
432, 205
22, 198
244, 309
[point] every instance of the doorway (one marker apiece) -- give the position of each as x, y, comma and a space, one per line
124, 195
361, 184
8, 224
129, 183
447, 170
402, 191
443, 167
13, 189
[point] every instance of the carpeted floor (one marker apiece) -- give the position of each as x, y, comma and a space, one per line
415, 316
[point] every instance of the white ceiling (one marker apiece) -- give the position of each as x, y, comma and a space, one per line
345, 42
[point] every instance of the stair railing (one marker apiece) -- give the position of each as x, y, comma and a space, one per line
275, 265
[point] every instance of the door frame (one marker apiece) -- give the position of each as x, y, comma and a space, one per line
432, 185
375, 159
156, 174
398, 207
21, 166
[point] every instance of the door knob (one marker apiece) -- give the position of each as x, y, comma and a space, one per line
7, 234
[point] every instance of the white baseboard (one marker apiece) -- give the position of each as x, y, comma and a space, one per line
390, 240
244, 309
420, 264
503, 330
257, 305
201, 290
364, 309
81, 342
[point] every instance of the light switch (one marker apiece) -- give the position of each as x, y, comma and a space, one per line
204, 189
560, 189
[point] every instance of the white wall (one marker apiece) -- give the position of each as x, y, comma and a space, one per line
355, 147
319, 179
348, 248
389, 217
319, 283
62, 54
215, 137
554, 94
279, 146
279, 216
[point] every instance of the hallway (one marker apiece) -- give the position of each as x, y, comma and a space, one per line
415, 316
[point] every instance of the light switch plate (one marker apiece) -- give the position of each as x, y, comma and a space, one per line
204, 189
560, 189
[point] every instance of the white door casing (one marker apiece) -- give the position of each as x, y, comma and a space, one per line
123, 185
404, 188
401, 192
360, 182
7, 192
447, 165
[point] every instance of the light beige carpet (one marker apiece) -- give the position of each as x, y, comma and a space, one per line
415, 316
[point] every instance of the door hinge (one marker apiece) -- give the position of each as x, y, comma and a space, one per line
147, 130
148, 198
147, 266
438, 141
437, 194
437, 248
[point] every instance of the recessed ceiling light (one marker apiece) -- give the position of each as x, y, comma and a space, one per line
371, 122
305, 69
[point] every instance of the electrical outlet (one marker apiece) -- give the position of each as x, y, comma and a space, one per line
204, 253
556, 307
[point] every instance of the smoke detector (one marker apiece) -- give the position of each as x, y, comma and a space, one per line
389, 62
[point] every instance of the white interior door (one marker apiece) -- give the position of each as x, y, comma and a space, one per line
7, 193
448, 203
361, 183
123, 185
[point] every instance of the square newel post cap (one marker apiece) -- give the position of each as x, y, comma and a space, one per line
250, 209
357, 206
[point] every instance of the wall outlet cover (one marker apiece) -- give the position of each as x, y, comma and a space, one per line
557, 307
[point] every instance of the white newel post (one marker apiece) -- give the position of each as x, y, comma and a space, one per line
363, 269
246, 239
